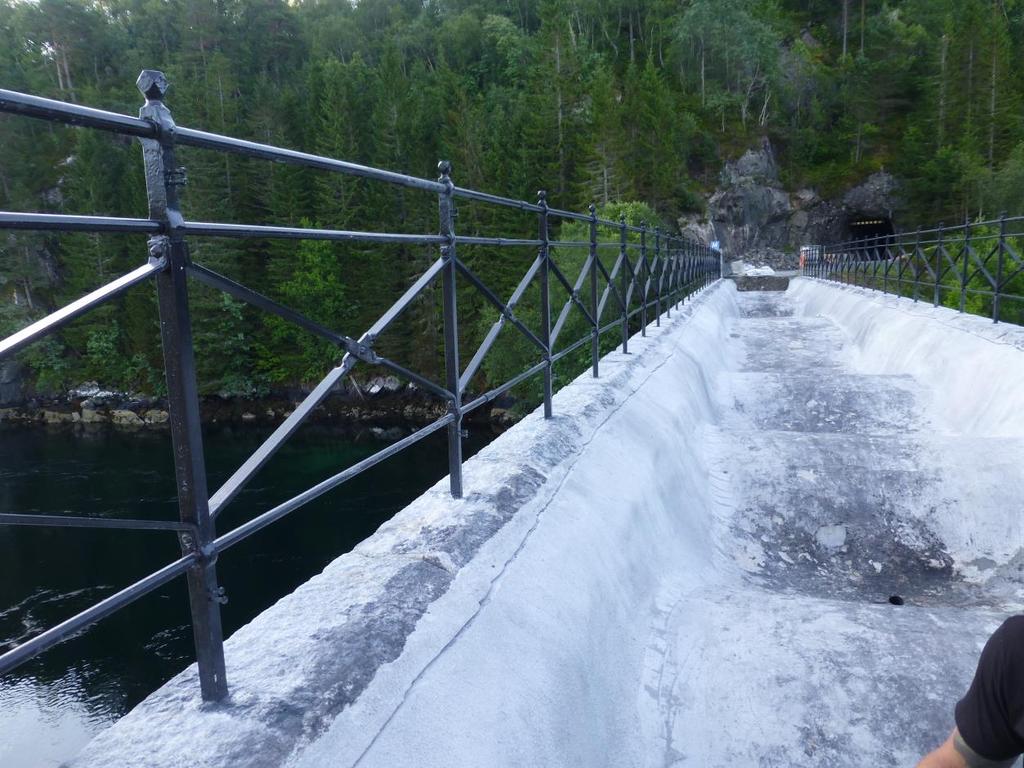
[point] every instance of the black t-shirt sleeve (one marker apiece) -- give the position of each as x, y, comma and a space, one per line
990, 717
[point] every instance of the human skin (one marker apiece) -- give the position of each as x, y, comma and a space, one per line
946, 756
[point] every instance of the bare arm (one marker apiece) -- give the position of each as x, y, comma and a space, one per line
946, 756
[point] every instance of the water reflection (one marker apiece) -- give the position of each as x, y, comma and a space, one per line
44, 723
51, 706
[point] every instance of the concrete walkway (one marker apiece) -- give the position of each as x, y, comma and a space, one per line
691, 564
830, 485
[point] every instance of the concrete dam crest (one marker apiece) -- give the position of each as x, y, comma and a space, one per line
777, 534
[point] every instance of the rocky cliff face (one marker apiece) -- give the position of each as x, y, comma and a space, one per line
756, 219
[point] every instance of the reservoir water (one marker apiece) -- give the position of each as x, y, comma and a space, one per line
51, 706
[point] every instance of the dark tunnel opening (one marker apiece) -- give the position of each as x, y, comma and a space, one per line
870, 230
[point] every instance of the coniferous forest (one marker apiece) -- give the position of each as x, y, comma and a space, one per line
631, 104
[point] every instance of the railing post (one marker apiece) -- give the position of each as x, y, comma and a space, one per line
682, 276
545, 298
913, 262
595, 340
163, 178
645, 276
938, 263
885, 270
670, 262
967, 258
1000, 265
656, 278
626, 279
875, 258
692, 272
680, 272
445, 202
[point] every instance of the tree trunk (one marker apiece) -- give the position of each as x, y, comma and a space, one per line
763, 119
970, 85
4, 184
632, 51
561, 117
992, 96
863, 13
223, 126
27, 287
26, 281
846, 24
943, 51
746, 97
60, 73
703, 82
67, 75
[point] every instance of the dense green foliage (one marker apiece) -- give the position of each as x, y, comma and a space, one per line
593, 100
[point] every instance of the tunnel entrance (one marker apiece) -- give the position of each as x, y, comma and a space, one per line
864, 230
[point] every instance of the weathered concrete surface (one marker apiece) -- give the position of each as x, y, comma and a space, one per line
837, 495
352, 643
691, 564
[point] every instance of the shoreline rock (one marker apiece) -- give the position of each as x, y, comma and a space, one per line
384, 405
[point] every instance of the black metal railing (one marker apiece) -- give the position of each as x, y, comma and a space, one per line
975, 267
653, 280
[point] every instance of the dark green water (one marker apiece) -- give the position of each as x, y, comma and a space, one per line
51, 706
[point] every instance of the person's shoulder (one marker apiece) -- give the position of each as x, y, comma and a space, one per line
1012, 629
1014, 624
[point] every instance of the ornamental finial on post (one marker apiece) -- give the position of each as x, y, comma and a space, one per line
593, 209
444, 168
542, 198
152, 84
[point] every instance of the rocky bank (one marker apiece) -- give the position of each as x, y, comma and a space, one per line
384, 402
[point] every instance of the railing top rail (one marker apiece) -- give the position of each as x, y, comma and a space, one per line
14, 102
27, 105
203, 140
47, 222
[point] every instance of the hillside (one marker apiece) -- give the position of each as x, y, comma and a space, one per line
595, 100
